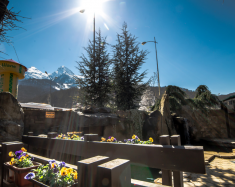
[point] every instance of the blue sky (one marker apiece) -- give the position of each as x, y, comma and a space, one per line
196, 40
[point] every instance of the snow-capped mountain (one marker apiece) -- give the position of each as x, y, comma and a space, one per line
63, 78
34, 73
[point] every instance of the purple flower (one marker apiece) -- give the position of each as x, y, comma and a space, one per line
51, 161
114, 140
32, 159
82, 138
18, 153
125, 140
62, 164
29, 176
24, 154
136, 137
110, 137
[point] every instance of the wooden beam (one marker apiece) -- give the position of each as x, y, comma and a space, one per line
177, 158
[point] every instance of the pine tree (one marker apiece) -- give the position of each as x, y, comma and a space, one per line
95, 83
127, 61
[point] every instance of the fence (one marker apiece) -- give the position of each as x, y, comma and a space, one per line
166, 157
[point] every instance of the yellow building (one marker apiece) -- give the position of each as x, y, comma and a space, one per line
10, 72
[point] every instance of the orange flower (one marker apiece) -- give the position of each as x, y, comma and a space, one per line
27, 155
59, 136
63, 137
108, 140
103, 139
23, 149
138, 140
53, 165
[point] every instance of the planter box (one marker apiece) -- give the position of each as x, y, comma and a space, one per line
17, 174
39, 184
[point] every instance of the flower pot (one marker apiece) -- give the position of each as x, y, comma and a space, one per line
39, 184
19, 173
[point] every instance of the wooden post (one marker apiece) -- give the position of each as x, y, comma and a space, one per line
91, 137
30, 133
51, 134
166, 174
87, 171
177, 175
114, 173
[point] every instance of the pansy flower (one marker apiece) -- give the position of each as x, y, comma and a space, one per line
29, 176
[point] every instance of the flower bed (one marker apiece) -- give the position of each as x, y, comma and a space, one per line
53, 174
134, 140
70, 137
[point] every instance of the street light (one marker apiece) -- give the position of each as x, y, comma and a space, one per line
143, 43
82, 11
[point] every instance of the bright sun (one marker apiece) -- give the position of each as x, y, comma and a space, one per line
92, 6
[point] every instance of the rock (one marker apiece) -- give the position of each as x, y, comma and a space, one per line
89, 109
104, 110
167, 125
11, 118
123, 114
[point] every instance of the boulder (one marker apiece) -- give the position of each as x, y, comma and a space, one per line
89, 109
167, 125
11, 118
104, 110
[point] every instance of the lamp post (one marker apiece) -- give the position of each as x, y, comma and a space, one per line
82, 11
50, 86
156, 62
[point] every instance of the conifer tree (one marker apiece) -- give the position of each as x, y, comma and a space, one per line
127, 61
95, 83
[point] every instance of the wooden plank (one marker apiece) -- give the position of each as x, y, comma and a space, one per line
116, 172
143, 183
87, 170
166, 174
177, 158
177, 175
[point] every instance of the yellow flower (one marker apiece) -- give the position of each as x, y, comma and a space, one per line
138, 140
20, 159
59, 136
151, 139
112, 138
12, 159
108, 140
69, 138
75, 176
11, 163
11, 154
133, 137
70, 170
103, 139
63, 171
23, 149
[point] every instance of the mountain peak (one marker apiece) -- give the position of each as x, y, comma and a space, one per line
34, 73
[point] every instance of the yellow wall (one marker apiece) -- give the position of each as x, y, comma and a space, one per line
9, 74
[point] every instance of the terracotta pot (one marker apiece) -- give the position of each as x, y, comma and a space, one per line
39, 184
19, 173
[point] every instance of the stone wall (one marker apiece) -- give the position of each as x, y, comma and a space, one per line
11, 118
204, 126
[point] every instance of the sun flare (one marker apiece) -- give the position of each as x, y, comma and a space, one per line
90, 7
